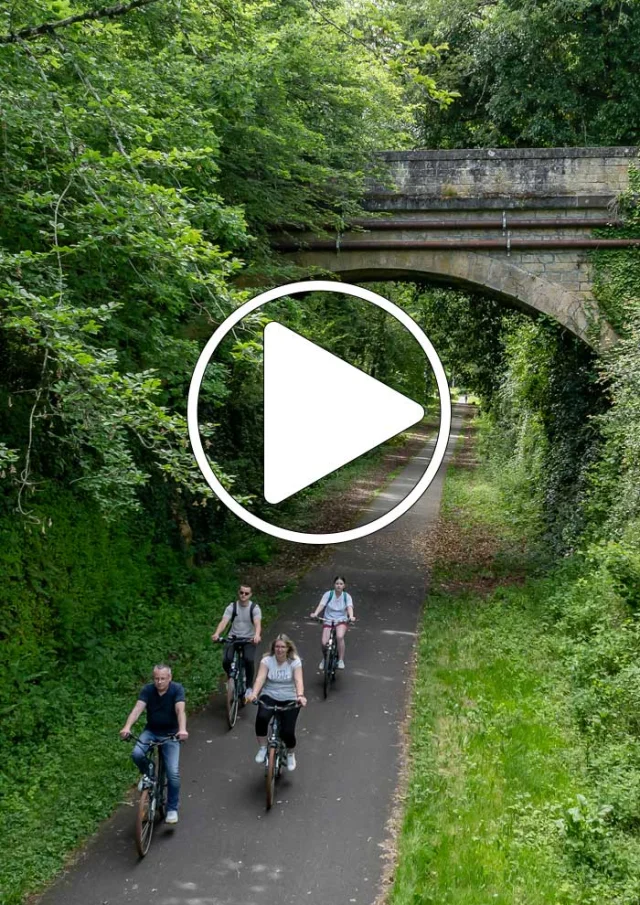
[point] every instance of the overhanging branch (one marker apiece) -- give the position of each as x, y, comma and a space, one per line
105, 12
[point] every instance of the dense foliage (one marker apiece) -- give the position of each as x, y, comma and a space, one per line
533, 73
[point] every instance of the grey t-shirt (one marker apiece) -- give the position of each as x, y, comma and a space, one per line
242, 627
336, 608
279, 684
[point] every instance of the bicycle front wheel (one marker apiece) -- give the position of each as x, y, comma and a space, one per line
232, 702
242, 685
144, 823
328, 661
270, 777
162, 791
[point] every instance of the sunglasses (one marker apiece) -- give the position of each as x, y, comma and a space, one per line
244, 593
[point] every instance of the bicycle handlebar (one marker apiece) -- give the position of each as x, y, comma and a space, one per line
222, 640
169, 738
276, 706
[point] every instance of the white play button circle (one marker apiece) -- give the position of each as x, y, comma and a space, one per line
307, 391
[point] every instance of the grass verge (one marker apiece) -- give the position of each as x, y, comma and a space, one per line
502, 803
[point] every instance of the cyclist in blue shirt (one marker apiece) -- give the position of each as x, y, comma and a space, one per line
163, 701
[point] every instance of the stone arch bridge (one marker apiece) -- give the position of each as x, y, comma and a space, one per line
515, 223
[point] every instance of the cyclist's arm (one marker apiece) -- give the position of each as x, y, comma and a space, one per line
299, 683
350, 609
138, 710
257, 625
260, 680
320, 606
220, 629
181, 713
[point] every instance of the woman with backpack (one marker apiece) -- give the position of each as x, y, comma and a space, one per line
245, 617
338, 608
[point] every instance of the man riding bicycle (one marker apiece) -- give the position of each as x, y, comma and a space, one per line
164, 703
245, 618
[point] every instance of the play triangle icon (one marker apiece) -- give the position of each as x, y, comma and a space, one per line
320, 413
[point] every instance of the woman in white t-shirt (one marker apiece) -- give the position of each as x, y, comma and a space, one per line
279, 681
338, 608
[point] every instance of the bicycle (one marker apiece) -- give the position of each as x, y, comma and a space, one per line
237, 680
276, 750
152, 804
330, 658
330, 661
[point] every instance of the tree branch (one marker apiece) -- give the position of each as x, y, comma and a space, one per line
105, 12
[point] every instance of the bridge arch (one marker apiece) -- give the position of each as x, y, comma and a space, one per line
498, 277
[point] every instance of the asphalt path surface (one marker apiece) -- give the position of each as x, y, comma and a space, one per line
322, 842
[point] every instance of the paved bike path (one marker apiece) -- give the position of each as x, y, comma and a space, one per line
322, 841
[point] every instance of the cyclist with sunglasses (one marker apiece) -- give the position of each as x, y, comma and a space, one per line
245, 618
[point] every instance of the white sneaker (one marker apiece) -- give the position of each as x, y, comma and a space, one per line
321, 664
340, 664
291, 761
261, 755
144, 783
172, 817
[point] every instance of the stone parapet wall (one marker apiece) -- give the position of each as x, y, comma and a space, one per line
512, 174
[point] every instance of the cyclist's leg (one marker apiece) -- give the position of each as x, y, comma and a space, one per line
249, 662
263, 716
340, 632
171, 755
139, 753
326, 634
288, 727
227, 657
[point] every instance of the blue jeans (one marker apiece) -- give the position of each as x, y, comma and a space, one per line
170, 753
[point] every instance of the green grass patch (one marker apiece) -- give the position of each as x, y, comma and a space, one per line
495, 757
524, 784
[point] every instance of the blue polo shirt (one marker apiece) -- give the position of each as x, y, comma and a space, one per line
161, 708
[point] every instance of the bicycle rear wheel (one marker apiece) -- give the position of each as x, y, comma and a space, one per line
232, 702
144, 823
270, 776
